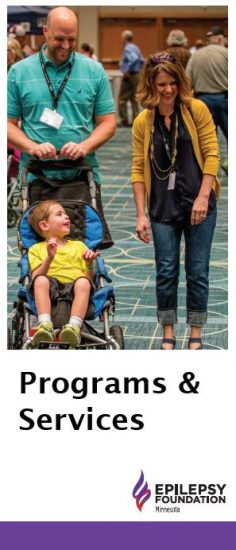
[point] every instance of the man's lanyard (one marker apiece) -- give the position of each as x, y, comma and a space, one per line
55, 97
174, 135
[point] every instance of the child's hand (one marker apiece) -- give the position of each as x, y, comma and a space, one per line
52, 247
90, 255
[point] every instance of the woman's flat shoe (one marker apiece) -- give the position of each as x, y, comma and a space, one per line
195, 341
170, 341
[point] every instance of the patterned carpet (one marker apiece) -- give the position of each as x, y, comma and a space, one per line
131, 263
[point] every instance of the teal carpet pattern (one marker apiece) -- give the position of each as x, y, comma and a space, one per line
131, 263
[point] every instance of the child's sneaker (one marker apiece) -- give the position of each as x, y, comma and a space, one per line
44, 333
70, 334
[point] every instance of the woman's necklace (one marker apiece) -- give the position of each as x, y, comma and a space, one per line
172, 157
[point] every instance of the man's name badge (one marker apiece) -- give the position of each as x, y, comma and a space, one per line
51, 118
171, 183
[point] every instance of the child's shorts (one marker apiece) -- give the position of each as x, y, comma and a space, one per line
59, 291
61, 296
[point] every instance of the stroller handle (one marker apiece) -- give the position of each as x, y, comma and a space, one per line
36, 167
57, 163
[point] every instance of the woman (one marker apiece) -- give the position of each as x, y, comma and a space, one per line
14, 52
175, 162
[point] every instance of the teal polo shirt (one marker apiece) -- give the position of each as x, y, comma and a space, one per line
87, 93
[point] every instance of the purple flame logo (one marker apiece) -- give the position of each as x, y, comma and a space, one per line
141, 492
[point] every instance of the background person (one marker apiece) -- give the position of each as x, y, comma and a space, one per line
88, 50
85, 49
175, 162
199, 43
20, 34
130, 65
14, 52
177, 45
208, 72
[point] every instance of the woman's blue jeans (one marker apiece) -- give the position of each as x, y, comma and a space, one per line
198, 239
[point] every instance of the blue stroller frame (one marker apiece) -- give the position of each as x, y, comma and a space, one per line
88, 224
13, 161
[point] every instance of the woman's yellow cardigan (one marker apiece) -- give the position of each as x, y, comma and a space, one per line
202, 132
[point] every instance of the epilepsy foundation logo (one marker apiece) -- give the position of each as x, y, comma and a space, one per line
170, 495
141, 492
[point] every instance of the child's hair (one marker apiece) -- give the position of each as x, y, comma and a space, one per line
39, 213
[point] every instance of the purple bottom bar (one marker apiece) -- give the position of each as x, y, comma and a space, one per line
117, 535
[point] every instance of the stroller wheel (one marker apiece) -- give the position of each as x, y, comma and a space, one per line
11, 217
117, 333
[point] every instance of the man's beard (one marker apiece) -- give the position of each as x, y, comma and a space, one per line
55, 55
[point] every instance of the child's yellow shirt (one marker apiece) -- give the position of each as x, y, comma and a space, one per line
67, 264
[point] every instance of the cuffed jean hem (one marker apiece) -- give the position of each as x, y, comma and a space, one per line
167, 316
196, 318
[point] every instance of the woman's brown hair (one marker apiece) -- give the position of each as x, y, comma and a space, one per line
147, 93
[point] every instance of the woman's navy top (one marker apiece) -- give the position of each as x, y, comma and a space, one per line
170, 205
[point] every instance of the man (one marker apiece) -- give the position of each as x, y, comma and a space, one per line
130, 65
62, 98
208, 71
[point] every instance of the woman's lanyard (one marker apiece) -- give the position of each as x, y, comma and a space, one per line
55, 97
171, 153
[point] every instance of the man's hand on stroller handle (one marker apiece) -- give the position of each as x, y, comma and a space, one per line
43, 150
70, 150
74, 150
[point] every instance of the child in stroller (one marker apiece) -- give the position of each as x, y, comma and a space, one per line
80, 198
59, 267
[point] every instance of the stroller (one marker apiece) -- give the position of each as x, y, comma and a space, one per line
80, 196
13, 160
